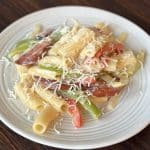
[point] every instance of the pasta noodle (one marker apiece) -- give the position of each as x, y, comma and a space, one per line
112, 103
99, 101
103, 27
122, 37
112, 65
65, 38
46, 116
30, 99
72, 48
58, 103
36, 71
53, 61
129, 65
21, 70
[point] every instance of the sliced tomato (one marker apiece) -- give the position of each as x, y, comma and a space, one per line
105, 91
109, 48
99, 52
74, 113
32, 56
101, 89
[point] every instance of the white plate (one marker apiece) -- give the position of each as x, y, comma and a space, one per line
129, 117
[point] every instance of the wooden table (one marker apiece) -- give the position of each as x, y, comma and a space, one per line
135, 10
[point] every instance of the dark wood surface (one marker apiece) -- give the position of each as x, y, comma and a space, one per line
136, 10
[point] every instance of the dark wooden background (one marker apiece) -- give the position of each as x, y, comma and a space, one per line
136, 10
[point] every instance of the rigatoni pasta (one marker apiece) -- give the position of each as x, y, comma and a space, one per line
71, 48
122, 37
47, 115
47, 74
29, 98
58, 103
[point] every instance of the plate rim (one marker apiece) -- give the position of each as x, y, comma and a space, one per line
35, 138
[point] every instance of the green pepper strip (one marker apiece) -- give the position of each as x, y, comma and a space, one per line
20, 47
59, 70
73, 75
84, 101
52, 68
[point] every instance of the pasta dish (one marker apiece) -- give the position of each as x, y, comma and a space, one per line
72, 69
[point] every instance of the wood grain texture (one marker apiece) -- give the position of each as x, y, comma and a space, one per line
136, 10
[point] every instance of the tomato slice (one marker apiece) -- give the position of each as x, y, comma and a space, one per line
101, 89
74, 113
110, 48
106, 91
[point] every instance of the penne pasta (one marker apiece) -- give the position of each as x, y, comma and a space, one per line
28, 98
22, 71
103, 27
45, 117
58, 103
111, 81
122, 37
112, 103
99, 101
52, 60
47, 74
71, 49
112, 65
129, 65
64, 39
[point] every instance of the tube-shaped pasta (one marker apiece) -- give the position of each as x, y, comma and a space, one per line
64, 39
52, 60
112, 65
122, 37
140, 59
112, 103
99, 101
103, 27
116, 84
42, 121
22, 71
29, 98
74, 45
130, 65
47, 74
58, 103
